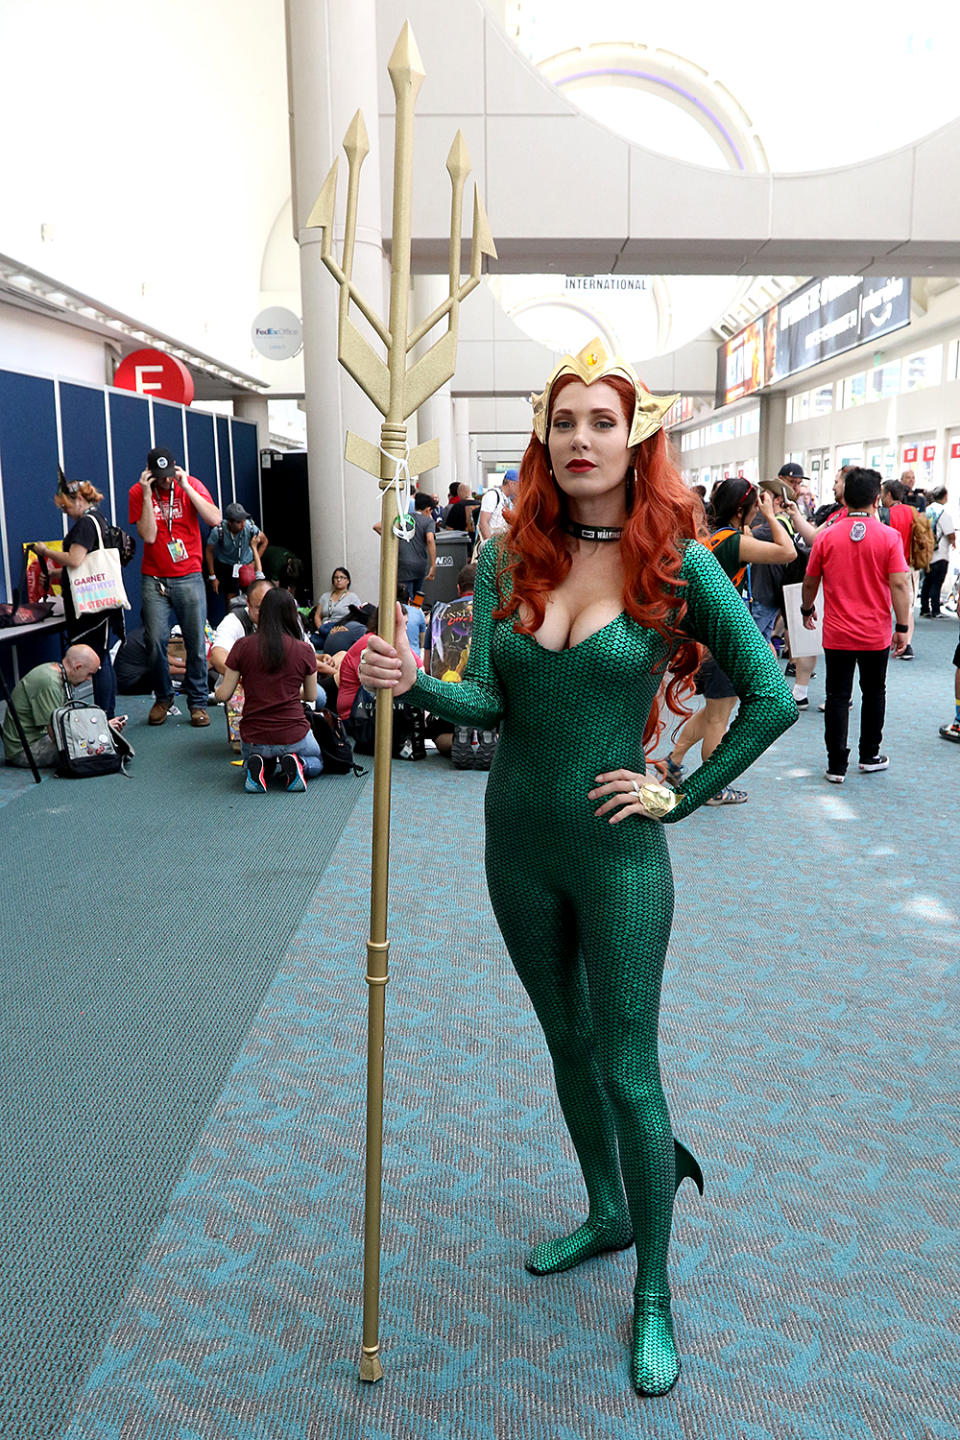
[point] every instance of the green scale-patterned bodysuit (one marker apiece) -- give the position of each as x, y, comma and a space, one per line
585, 907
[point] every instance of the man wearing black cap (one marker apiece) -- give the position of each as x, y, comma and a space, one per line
799, 484
167, 505
238, 541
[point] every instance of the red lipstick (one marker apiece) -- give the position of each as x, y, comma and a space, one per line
580, 467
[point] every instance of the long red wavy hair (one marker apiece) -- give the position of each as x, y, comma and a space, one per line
663, 513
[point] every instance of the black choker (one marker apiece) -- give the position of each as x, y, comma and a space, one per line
593, 532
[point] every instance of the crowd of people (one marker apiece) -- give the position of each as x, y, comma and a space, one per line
270, 662
771, 541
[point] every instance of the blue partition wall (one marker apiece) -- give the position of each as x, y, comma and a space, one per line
202, 454
246, 466
28, 467
104, 436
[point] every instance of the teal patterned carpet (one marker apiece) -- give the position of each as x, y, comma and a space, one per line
143, 921
809, 1044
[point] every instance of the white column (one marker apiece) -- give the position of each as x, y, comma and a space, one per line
772, 440
435, 416
466, 474
476, 480
256, 408
938, 475
331, 70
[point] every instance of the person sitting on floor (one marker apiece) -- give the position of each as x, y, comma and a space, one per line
41, 691
416, 620
131, 662
451, 630
239, 620
278, 669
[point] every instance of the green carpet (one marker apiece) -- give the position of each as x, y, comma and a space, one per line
143, 920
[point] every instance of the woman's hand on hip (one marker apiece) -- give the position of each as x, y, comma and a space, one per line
389, 667
623, 789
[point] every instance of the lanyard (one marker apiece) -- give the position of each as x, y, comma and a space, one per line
169, 511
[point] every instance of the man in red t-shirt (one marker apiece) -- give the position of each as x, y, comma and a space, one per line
862, 568
167, 505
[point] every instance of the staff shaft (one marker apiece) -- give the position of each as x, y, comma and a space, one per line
378, 946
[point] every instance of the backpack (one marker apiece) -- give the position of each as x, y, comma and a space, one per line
712, 541
86, 743
113, 538
922, 543
497, 510
117, 539
330, 735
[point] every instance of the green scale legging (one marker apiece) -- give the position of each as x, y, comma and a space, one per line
585, 907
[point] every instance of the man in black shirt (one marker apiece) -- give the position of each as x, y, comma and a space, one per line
459, 515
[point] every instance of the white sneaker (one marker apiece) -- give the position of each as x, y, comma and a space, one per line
834, 779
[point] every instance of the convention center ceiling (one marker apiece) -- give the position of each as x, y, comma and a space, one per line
782, 90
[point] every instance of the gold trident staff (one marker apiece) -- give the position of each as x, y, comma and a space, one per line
397, 391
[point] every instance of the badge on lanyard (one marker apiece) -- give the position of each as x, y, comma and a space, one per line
857, 530
178, 551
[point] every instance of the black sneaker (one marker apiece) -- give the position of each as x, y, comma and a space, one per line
803, 704
291, 769
461, 751
907, 654
255, 782
879, 762
486, 749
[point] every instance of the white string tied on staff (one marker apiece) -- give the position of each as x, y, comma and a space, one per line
402, 528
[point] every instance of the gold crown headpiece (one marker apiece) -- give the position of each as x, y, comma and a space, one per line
592, 364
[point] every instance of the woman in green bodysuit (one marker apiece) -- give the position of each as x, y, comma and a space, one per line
595, 593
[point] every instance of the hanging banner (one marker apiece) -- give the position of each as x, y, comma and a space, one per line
822, 319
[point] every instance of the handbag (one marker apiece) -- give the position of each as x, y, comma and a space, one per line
96, 584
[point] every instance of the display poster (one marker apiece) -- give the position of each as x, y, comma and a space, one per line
822, 319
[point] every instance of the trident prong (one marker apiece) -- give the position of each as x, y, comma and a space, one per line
397, 389
383, 382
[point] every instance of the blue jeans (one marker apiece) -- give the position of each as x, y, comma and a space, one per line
307, 749
182, 597
766, 618
97, 635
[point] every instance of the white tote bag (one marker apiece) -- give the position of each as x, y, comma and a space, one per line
96, 584
802, 640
